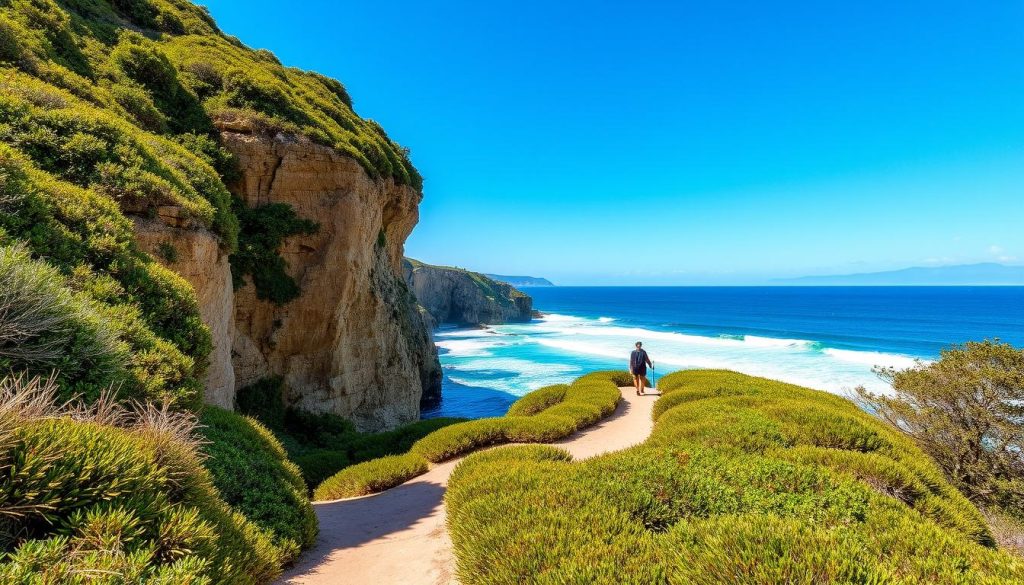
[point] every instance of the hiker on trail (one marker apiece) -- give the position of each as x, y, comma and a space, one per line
638, 362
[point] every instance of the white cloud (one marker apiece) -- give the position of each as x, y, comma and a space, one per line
1000, 255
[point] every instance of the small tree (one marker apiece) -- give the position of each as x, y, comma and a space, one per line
966, 410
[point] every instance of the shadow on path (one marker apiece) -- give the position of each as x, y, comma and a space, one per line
351, 523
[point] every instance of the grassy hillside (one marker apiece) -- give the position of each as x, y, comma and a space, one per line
744, 480
108, 110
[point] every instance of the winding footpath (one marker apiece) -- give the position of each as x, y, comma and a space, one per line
399, 536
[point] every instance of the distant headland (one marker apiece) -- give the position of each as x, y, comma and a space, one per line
518, 281
982, 274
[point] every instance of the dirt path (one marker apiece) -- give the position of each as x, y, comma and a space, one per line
399, 536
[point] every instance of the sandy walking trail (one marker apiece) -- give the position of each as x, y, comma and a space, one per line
399, 536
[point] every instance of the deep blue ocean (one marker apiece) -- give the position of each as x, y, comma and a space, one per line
828, 338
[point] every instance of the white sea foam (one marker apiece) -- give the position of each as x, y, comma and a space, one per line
556, 348
467, 347
872, 358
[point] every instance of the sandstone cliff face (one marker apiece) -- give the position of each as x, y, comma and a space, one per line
354, 342
195, 254
453, 295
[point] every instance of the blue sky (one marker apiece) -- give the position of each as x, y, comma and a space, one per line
685, 143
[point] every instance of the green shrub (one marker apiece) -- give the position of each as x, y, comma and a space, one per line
322, 444
319, 464
542, 428
516, 453
620, 378
255, 477
264, 401
371, 476
142, 62
538, 400
965, 411
45, 327
747, 480
461, 438
263, 230
132, 502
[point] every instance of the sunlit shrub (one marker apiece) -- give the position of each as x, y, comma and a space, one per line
123, 493
746, 480
254, 476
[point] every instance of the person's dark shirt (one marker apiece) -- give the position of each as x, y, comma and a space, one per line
638, 359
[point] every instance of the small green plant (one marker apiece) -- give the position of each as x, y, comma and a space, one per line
263, 230
167, 252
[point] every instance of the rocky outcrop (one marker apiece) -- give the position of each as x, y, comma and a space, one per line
462, 297
354, 342
195, 254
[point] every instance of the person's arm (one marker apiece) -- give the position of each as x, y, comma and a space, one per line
648, 358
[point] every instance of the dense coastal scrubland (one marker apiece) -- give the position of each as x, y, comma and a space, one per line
742, 480
189, 192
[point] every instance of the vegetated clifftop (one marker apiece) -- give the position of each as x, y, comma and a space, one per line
457, 296
139, 141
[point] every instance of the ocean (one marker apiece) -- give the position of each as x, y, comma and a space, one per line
827, 338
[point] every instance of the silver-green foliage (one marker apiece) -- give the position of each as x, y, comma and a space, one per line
45, 326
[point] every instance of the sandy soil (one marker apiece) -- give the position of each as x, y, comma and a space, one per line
399, 536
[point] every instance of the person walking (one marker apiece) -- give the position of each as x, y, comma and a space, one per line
638, 362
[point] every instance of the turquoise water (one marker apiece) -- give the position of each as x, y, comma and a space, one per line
828, 338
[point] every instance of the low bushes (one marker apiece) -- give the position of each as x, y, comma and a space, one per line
542, 416
253, 474
322, 444
743, 480
105, 494
538, 400
461, 438
371, 476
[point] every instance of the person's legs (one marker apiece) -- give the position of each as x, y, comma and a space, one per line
636, 383
640, 383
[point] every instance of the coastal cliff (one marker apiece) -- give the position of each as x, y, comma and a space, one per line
353, 342
461, 297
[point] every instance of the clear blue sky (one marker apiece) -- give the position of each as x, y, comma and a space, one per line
681, 143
